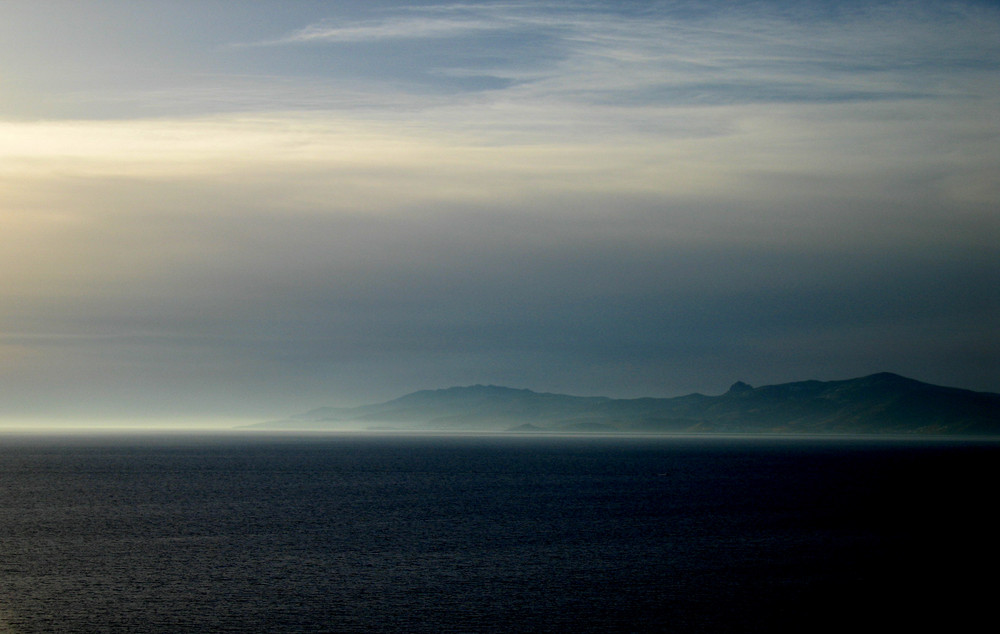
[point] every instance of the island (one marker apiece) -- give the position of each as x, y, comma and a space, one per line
883, 403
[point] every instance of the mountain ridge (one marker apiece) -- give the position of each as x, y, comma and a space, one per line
879, 403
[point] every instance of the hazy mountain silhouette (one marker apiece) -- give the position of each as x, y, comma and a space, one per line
880, 403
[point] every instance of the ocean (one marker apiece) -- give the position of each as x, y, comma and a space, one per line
436, 533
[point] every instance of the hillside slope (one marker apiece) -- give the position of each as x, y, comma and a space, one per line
880, 403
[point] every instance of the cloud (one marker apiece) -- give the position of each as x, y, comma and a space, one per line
728, 54
436, 21
398, 28
653, 201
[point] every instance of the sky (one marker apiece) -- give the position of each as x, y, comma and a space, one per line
250, 209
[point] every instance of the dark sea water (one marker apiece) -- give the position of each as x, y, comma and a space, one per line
493, 534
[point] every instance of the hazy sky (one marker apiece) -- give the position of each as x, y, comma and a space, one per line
255, 208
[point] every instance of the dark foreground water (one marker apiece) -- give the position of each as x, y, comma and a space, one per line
493, 534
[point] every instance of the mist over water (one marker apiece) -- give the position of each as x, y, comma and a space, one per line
85, 426
362, 533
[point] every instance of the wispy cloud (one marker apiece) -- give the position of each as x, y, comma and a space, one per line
731, 54
427, 22
396, 28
